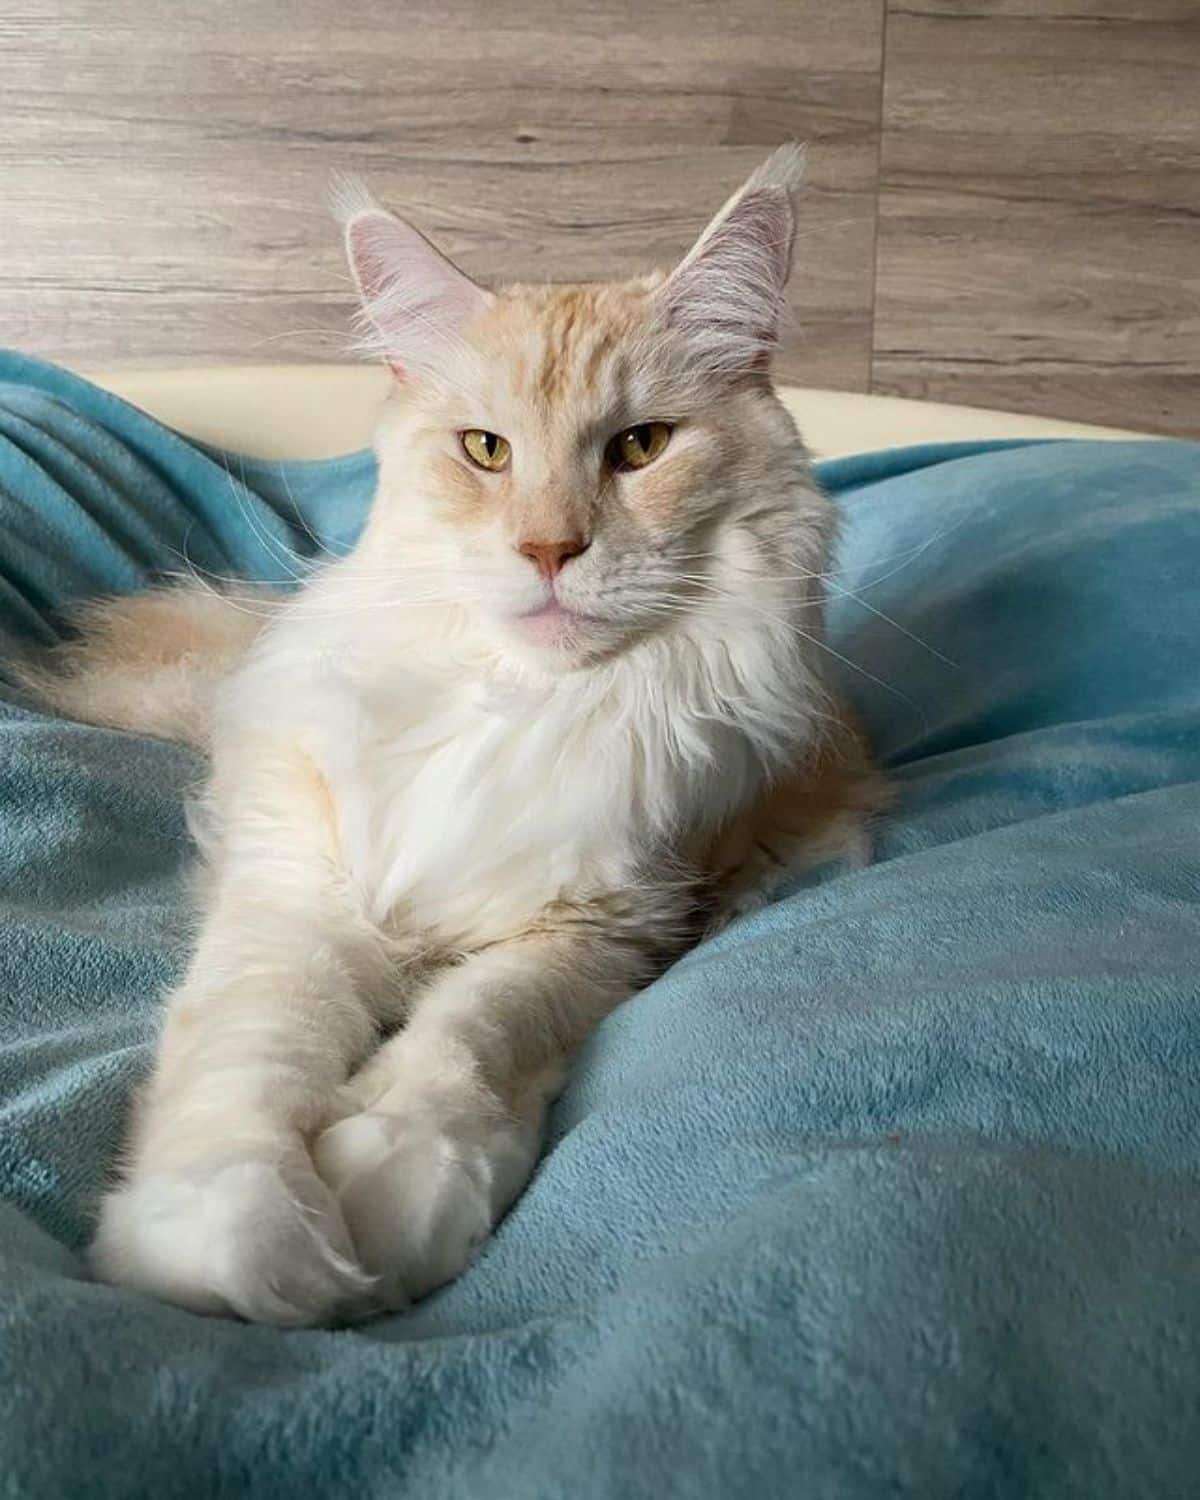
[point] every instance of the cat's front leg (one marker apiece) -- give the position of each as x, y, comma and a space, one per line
219, 1207
445, 1121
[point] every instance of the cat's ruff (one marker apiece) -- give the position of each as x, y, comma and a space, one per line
427, 817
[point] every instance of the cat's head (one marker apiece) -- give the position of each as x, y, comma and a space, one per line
581, 465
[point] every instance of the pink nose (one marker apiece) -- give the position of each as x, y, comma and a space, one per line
548, 557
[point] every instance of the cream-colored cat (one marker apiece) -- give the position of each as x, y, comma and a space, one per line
473, 785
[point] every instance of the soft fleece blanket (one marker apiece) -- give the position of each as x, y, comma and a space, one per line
893, 1189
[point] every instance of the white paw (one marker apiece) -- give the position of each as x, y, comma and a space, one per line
254, 1238
420, 1196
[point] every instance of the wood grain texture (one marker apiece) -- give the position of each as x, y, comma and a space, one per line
166, 167
165, 171
1039, 218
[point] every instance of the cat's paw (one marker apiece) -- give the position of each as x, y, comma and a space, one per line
418, 1194
733, 909
253, 1238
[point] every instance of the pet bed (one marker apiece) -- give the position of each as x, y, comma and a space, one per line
892, 1188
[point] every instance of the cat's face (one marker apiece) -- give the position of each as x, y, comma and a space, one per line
573, 462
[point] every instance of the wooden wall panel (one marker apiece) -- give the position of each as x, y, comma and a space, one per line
1039, 220
164, 167
1034, 166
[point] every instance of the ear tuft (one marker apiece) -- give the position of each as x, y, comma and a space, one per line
349, 196
727, 294
415, 303
783, 169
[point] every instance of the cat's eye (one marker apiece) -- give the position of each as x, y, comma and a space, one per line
638, 446
486, 449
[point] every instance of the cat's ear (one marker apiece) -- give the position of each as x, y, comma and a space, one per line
415, 302
727, 294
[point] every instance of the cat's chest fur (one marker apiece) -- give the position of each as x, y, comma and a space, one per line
466, 810
466, 800
465, 806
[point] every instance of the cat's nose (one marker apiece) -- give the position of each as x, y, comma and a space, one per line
548, 557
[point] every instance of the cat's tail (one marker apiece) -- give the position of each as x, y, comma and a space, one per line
150, 662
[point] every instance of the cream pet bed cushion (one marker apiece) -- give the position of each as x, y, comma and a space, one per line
316, 411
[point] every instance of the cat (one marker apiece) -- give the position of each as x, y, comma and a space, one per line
559, 712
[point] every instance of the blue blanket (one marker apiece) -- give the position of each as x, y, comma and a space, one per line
893, 1189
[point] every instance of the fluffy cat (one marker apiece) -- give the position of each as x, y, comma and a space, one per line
472, 785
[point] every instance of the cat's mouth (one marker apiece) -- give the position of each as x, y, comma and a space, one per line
554, 622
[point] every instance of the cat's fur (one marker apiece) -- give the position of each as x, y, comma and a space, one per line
442, 838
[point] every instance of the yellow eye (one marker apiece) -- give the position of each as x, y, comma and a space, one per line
487, 449
638, 446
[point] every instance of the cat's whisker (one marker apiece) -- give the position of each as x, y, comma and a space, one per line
195, 572
842, 593
223, 586
335, 337
741, 603
270, 544
320, 545
895, 624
